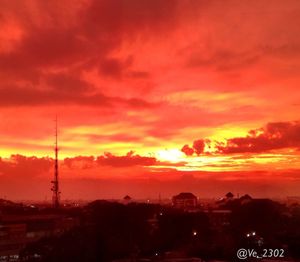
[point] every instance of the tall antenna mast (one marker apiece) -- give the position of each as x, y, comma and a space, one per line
55, 186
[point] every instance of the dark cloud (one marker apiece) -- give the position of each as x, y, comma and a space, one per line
100, 27
198, 147
113, 67
83, 39
86, 43
124, 161
43, 49
232, 59
139, 74
277, 135
19, 166
67, 83
22, 166
109, 159
225, 60
80, 162
64, 95
29, 96
187, 150
125, 17
273, 136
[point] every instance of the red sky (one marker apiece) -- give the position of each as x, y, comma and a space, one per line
152, 96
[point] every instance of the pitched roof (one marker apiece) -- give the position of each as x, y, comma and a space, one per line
245, 197
229, 194
185, 195
127, 197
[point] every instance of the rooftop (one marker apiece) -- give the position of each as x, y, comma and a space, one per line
185, 195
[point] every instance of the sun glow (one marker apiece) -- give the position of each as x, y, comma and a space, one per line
171, 155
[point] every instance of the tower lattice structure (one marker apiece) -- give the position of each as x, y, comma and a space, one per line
55, 182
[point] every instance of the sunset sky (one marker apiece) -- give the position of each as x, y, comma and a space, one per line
152, 97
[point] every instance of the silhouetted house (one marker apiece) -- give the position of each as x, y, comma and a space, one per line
229, 195
184, 200
127, 199
245, 199
224, 201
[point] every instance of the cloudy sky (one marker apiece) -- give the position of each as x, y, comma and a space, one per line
152, 96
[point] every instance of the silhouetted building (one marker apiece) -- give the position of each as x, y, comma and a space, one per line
219, 218
229, 195
185, 200
18, 230
225, 200
127, 199
245, 199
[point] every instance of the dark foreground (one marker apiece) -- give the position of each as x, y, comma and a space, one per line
110, 231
